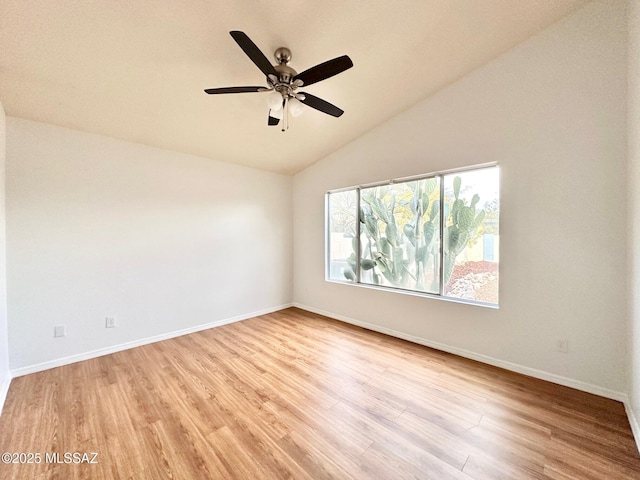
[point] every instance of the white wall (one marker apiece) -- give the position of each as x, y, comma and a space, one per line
633, 146
5, 376
161, 240
552, 113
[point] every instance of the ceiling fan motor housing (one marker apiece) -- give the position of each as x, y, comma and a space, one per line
285, 73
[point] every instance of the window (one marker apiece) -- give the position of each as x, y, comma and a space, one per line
436, 235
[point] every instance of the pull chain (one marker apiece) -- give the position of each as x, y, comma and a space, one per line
285, 115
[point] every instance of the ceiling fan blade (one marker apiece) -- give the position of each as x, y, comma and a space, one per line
322, 105
234, 90
325, 70
254, 53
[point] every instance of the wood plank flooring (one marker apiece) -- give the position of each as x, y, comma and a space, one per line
293, 395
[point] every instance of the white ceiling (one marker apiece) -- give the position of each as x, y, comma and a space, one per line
136, 70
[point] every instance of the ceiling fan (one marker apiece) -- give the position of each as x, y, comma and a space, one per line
283, 82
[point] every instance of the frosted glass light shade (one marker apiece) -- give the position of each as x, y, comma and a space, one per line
274, 100
276, 113
296, 107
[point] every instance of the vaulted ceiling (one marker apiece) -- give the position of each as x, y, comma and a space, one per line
136, 70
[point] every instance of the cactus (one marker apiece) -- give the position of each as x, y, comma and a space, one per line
397, 248
462, 225
399, 231
399, 242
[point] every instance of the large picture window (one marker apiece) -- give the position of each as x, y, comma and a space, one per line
437, 235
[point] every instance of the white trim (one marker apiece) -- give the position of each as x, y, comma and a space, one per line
422, 176
4, 389
633, 421
514, 367
138, 343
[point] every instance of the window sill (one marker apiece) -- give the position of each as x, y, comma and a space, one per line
417, 294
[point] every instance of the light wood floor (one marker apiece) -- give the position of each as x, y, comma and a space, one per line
293, 395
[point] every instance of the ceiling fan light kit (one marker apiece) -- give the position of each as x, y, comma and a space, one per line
283, 82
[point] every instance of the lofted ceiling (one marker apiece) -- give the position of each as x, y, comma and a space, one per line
136, 70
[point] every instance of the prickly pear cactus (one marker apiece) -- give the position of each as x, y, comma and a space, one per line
462, 225
399, 226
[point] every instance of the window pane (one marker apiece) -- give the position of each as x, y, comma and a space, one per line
342, 235
399, 236
471, 235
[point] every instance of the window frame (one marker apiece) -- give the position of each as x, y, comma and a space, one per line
442, 220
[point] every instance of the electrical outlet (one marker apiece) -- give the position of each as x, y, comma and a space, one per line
59, 331
562, 346
110, 322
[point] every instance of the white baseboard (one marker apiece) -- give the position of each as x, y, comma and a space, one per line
496, 362
58, 362
633, 421
4, 389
